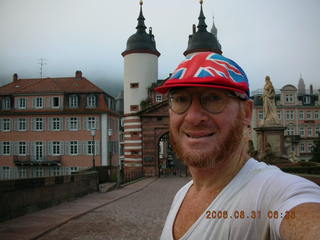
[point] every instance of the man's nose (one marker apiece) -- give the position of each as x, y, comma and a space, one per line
196, 113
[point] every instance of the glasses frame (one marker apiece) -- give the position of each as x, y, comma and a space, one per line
229, 94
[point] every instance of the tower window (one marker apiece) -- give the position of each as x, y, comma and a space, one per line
134, 85
134, 107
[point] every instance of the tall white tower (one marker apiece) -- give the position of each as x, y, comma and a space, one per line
140, 71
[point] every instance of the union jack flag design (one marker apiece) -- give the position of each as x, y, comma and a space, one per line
213, 65
207, 69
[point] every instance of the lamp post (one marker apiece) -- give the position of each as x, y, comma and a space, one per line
93, 134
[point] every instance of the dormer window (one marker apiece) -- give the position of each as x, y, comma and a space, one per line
55, 102
73, 101
307, 100
38, 102
22, 103
289, 98
91, 101
6, 103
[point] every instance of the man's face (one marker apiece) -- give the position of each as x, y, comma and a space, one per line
199, 137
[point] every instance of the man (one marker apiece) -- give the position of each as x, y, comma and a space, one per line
230, 196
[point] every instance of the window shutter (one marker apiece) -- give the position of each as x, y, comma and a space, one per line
61, 123
15, 148
69, 123
85, 147
86, 123
97, 123
62, 148
78, 123
67, 148
44, 123
97, 147
27, 148
50, 145
50, 124
33, 124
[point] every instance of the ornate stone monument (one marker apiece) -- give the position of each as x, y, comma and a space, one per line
270, 133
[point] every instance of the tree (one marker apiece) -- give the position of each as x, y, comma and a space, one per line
316, 150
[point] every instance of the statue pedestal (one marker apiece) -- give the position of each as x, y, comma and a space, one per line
271, 144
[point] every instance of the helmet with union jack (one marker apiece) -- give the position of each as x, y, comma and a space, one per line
208, 69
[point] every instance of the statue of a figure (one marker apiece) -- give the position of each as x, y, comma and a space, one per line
269, 105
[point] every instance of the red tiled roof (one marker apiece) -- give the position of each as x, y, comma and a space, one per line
50, 85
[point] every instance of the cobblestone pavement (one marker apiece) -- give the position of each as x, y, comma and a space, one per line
140, 215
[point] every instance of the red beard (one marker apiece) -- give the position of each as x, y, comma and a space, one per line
220, 152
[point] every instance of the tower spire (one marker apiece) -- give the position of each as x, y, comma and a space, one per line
141, 27
202, 26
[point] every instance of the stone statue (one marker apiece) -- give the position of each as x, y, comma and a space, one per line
269, 105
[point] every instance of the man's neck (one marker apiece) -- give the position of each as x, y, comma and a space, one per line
215, 179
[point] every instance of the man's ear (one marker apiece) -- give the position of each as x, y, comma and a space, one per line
248, 108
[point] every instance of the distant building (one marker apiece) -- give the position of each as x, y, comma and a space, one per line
46, 124
299, 111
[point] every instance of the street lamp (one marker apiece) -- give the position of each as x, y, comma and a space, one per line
93, 134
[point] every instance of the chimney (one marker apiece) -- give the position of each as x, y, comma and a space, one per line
78, 74
311, 89
15, 77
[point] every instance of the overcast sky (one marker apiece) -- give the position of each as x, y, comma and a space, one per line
276, 38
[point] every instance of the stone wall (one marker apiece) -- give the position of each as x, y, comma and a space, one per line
22, 196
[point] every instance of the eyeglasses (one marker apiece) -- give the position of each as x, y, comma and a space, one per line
212, 101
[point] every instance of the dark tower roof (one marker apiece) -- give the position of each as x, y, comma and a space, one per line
202, 40
141, 41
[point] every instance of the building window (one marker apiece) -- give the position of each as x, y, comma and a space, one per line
73, 124
39, 102
56, 148
134, 108
290, 115
91, 101
55, 102
56, 124
260, 115
91, 124
301, 115
316, 115
6, 125
308, 115
302, 147
39, 124
6, 103
73, 101
22, 103
6, 148
90, 149
301, 131
310, 145
307, 100
290, 131
39, 151
317, 130
289, 98
309, 132
22, 124
74, 148
159, 98
134, 85
22, 148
